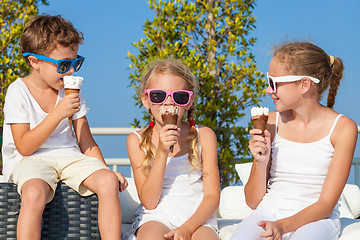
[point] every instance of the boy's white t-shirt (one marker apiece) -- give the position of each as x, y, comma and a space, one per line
21, 107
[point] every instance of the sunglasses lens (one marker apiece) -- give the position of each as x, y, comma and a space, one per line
78, 64
271, 84
64, 66
181, 97
157, 96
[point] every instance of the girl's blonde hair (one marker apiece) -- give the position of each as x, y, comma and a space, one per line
304, 58
176, 68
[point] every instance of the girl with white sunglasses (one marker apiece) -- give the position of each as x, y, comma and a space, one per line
302, 164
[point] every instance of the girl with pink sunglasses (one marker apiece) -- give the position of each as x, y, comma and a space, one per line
179, 190
302, 164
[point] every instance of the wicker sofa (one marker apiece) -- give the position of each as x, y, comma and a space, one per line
233, 208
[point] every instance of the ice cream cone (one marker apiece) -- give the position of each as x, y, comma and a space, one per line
169, 115
72, 84
67, 92
260, 117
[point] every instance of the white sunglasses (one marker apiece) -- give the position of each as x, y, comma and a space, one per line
273, 80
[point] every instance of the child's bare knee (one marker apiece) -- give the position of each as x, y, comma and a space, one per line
108, 183
34, 195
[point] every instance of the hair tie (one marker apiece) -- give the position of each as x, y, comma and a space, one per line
332, 59
192, 123
151, 124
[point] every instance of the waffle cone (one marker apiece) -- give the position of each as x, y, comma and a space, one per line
260, 122
170, 118
67, 92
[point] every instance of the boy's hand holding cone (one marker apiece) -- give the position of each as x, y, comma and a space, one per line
72, 84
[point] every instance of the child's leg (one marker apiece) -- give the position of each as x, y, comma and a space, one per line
106, 186
248, 228
34, 194
326, 229
205, 232
152, 231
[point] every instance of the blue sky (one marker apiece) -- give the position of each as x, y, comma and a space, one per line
110, 27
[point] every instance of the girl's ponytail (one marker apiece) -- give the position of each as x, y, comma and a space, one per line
146, 143
304, 58
194, 155
337, 74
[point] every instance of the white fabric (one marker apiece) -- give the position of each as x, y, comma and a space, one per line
21, 107
352, 195
243, 170
326, 229
297, 172
129, 202
350, 229
182, 193
232, 204
344, 208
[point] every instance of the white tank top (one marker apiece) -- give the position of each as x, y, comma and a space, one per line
298, 171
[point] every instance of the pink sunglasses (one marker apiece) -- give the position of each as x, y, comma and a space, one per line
159, 96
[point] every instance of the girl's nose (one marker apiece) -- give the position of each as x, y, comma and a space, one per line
268, 90
168, 100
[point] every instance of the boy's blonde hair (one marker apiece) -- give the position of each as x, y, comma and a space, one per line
43, 33
176, 68
304, 58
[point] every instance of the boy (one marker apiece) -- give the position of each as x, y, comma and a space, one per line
39, 147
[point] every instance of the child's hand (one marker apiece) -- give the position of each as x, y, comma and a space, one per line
68, 106
260, 146
168, 137
122, 180
179, 233
272, 230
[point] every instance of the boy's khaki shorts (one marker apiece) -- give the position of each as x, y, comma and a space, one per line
70, 170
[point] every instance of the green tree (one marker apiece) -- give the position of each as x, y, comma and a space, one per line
13, 15
213, 38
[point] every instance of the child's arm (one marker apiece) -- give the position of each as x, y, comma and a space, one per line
344, 141
211, 184
85, 139
260, 148
149, 183
28, 141
89, 147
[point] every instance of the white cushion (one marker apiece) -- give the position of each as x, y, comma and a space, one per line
227, 228
350, 229
232, 203
344, 208
129, 201
2, 178
352, 195
243, 170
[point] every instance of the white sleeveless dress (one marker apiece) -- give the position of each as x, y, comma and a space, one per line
297, 174
182, 193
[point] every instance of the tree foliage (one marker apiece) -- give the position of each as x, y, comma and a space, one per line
213, 38
13, 14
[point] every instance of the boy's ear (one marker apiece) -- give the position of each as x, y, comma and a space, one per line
145, 101
34, 62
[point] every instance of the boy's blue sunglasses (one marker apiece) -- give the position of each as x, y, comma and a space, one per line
64, 65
